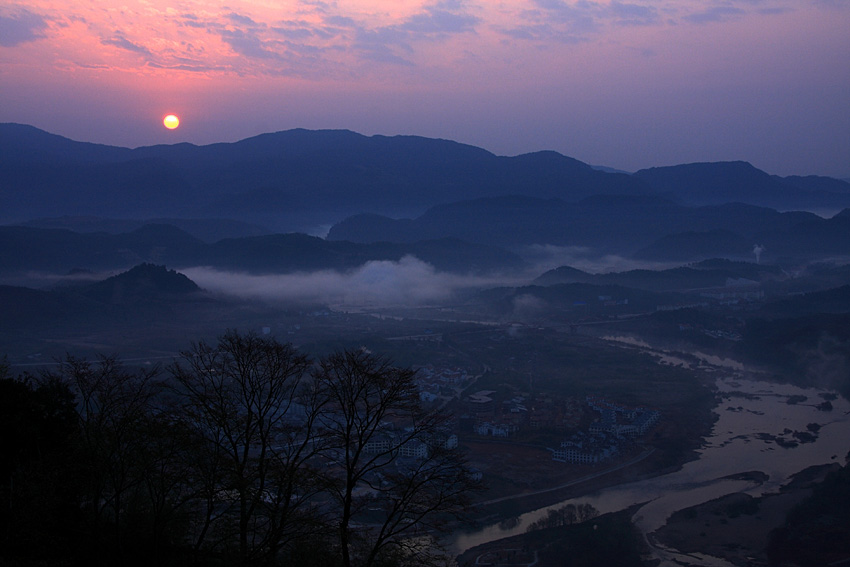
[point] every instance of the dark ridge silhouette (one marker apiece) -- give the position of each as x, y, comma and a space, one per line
723, 182
274, 176
835, 300
208, 230
706, 274
652, 226
24, 144
308, 180
283, 253
563, 274
59, 251
816, 183
690, 246
143, 282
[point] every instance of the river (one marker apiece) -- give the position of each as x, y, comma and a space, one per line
754, 432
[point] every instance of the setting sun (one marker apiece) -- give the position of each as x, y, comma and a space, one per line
171, 121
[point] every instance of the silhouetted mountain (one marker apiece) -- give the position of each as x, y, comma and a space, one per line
822, 236
563, 274
827, 301
815, 183
571, 301
24, 144
602, 222
143, 282
309, 179
809, 239
692, 245
711, 273
60, 251
624, 225
509, 220
738, 181
145, 295
208, 230
282, 253
810, 348
280, 177
748, 270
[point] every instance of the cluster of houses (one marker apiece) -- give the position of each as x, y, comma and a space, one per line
604, 438
481, 408
486, 417
435, 382
403, 444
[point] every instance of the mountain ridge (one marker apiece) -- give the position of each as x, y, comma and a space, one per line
59, 251
296, 180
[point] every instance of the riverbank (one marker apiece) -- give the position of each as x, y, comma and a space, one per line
741, 455
505, 510
736, 527
522, 478
610, 539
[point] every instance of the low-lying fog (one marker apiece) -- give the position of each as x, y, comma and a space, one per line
409, 281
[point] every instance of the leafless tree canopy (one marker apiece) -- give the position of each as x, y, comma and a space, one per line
248, 452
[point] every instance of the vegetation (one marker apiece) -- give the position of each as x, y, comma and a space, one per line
816, 532
249, 453
811, 350
565, 516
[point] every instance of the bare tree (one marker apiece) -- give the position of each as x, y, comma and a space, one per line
394, 475
255, 417
113, 405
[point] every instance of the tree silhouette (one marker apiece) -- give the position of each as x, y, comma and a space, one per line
39, 497
245, 453
393, 478
254, 417
113, 407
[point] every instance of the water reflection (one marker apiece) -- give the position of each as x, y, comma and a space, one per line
755, 431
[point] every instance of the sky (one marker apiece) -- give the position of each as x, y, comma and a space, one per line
626, 84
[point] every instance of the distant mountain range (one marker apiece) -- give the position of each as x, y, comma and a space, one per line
60, 251
706, 274
208, 230
282, 180
644, 227
457, 207
298, 180
731, 182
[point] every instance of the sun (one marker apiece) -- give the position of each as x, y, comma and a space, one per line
171, 121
